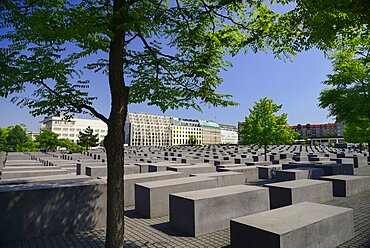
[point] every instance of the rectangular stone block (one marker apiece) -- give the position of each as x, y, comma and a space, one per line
268, 171
152, 198
192, 169
307, 173
226, 178
31, 173
209, 210
39, 210
292, 192
346, 185
130, 180
250, 172
53, 178
305, 224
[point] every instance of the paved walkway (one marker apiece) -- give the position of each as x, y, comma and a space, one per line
141, 232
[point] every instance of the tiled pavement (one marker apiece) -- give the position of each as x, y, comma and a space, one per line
141, 232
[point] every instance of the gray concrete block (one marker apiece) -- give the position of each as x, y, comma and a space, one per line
31, 173
39, 210
305, 224
53, 178
292, 192
192, 169
226, 178
346, 185
130, 180
268, 171
209, 210
152, 198
250, 172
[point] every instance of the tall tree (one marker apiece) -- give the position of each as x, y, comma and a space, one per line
16, 137
87, 138
71, 146
357, 133
47, 139
348, 98
168, 53
263, 127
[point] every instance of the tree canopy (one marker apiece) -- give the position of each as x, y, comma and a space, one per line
264, 127
87, 138
15, 139
165, 53
47, 139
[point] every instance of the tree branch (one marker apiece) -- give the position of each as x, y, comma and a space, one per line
92, 110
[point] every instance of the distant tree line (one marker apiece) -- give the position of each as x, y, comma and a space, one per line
15, 139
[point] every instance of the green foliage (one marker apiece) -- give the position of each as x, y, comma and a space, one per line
330, 144
71, 146
316, 143
348, 96
173, 52
87, 138
15, 139
330, 135
264, 127
357, 132
192, 140
47, 139
323, 21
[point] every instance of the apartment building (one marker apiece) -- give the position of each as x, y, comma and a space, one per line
182, 129
320, 130
70, 129
147, 130
229, 134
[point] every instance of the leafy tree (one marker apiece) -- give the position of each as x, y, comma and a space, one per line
357, 133
263, 127
330, 144
87, 138
348, 96
323, 21
3, 135
71, 146
330, 135
166, 53
192, 140
316, 143
47, 139
16, 137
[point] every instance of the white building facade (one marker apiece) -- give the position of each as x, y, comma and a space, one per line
229, 134
70, 129
147, 130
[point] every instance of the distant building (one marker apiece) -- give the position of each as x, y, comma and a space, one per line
147, 130
211, 133
182, 129
70, 129
229, 134
32, 134
320, 130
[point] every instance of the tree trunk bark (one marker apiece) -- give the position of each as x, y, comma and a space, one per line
115, 137
265, 147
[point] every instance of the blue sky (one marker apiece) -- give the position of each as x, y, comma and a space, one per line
295, 84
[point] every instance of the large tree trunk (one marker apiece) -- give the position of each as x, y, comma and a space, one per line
265, 148
115, 138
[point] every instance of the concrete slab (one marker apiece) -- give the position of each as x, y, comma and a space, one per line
209, 210
305, 224
250, 172
346, 185
292, 192
226, 178
130, 180
152, 198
